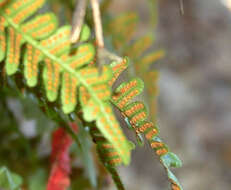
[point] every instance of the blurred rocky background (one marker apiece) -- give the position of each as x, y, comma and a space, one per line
195, 94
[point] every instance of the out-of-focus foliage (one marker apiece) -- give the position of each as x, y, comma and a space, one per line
9, 180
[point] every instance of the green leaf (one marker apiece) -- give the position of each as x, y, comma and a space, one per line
38, 180
118, 68
126, 91
174, 181
135, 114
85, 33
9, 180
171, 160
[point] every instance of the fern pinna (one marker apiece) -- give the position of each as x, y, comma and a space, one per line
38, 43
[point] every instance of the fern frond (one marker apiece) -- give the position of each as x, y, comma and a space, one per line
137, 53
106, 151
63, 69
136, 49
142, 63
122, 28
135, 113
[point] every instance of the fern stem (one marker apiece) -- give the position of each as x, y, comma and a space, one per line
79, 14
181, 7
104, 53
98, 23
116, 178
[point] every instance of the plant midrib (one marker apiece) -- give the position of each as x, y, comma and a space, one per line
64, 66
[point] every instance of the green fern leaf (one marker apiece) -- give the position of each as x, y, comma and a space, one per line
126, 91
136, 115
117, 69
106, 121
62, 68
135, 111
